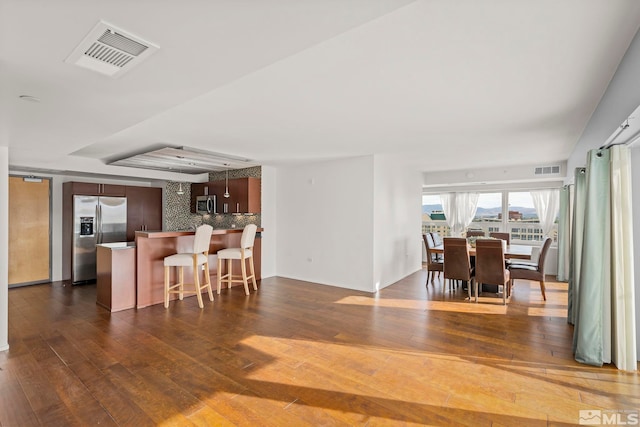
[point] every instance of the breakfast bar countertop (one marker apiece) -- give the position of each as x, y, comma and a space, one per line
178, 233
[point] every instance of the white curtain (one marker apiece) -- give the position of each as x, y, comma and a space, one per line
604, 310
547, 203
466, 207
448, 201
459, 209
564, 234
622, 271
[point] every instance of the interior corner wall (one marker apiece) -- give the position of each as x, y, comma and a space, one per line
4, 248
324, 222
397, 221
268, 213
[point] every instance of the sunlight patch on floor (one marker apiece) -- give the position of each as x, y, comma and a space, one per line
453, 306
547, 312
305, 372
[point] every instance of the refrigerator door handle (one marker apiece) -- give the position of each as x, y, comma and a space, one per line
99, 223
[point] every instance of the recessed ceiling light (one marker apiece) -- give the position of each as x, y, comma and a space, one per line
29, 98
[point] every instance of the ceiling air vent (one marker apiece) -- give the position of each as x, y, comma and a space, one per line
547, 170
111, 51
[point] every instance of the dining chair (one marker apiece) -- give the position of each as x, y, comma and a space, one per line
500, 235
475, 233
457, 265
433, 262
197, 257
244, 253
490, 267
437, 241
521, 269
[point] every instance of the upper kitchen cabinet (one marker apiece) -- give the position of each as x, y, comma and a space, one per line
244, 195
144, 210
198, 189
93, 189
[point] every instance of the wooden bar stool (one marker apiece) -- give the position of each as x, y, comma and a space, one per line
243, 253
199, 256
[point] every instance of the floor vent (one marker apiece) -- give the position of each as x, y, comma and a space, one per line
111, 51
547, 170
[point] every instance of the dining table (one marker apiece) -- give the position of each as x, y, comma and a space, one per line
513, 251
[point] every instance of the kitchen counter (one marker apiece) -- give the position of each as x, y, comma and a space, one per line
118, 245
178, 233
154, 246
116, 275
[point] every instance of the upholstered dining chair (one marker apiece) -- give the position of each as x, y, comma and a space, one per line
437, 240
521, 269
500, 235
433, 262
244, 253
490, 266
457, 265
475, 233
197, 257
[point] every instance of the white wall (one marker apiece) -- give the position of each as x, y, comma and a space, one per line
4, 248
268, 221
325, 223
397, 213
621, 98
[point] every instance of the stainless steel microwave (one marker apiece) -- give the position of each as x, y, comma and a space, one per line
206, 205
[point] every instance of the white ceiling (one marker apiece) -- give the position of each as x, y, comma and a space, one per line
444, 84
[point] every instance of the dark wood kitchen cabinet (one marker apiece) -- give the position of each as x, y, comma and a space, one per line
144, 210
244, 195
93, 189
197, 189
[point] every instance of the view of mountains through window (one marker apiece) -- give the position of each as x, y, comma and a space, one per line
489, 206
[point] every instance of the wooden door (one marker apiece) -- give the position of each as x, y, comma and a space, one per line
29, 231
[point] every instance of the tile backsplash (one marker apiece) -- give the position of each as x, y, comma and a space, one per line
177, 213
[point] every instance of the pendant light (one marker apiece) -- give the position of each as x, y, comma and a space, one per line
180, 191
226, 187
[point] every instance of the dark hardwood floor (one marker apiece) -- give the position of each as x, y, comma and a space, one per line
296, 353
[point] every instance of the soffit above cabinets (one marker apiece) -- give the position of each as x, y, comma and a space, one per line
184, 160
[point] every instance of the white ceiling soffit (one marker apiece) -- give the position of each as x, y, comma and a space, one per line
184, 160
110, 50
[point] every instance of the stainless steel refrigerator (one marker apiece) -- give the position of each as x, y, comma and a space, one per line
95, 220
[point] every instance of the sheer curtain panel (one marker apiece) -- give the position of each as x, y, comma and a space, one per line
622, 271
449, 208
466, 208
564, 234
459, 209
546, 203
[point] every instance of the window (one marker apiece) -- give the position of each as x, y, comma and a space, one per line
433, 219
489, 213
510, 211
522, 219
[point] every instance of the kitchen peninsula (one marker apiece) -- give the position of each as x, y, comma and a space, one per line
153, 246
